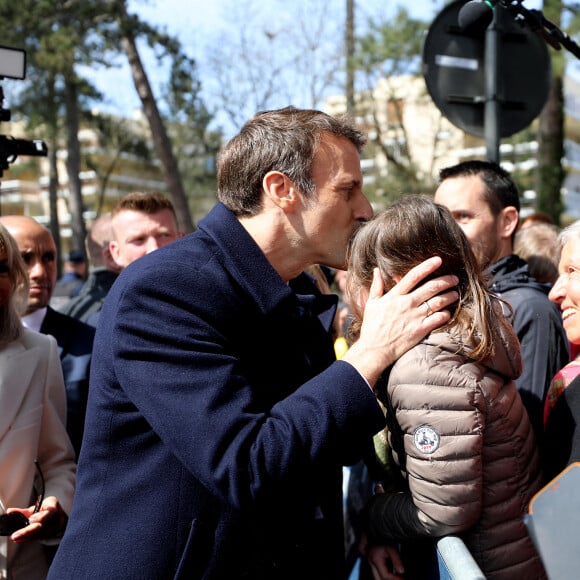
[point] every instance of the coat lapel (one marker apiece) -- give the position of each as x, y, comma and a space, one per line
18, 366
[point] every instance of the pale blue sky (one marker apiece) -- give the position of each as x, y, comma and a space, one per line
196, 21
195, 16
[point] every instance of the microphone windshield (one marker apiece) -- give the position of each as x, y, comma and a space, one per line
475, 16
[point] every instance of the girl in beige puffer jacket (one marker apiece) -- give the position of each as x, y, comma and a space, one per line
456, 424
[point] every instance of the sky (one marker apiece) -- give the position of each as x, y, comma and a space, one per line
196, 22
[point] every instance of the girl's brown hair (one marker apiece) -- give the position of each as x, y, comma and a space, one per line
411, 230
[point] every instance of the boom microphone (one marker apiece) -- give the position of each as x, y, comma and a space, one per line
476, 15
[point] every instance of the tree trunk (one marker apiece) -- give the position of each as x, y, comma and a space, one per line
160, 138
550, 174
53, 197
73, 164
550, 153
350, 66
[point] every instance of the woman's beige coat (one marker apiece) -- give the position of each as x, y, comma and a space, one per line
32, 426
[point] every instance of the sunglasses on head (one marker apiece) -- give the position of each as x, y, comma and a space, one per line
9, 523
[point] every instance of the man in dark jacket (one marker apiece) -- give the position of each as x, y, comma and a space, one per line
484, 200
70, 283
102, 273
74, 339
218, 419
140, 223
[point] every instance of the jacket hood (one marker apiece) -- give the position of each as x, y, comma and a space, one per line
512, 272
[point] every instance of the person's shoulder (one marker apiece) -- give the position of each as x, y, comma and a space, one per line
531, 300
68, 323
36, 348
183, 255
439, 360
425, 361
572, 391
31, 339
528, 296
188, 262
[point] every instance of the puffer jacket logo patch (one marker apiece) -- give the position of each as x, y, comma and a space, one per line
426, 439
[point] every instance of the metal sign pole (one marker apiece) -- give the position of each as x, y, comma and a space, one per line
492, 107
490, 80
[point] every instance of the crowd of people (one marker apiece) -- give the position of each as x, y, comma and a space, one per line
199, 395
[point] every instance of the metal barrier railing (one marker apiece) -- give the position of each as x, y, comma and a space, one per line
455, 560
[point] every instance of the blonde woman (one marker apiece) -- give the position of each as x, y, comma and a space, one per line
456, 424
37, 469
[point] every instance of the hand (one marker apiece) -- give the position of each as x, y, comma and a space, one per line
384, 560
396, 321
47, 523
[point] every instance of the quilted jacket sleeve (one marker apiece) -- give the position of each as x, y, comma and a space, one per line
440, 411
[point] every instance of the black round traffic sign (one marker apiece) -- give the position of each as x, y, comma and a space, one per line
454, 71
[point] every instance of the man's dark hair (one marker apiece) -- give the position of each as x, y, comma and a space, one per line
501, 191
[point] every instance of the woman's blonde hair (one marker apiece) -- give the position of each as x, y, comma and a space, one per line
10, 324
411, 230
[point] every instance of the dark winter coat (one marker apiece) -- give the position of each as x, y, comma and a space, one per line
538, 324
217, 423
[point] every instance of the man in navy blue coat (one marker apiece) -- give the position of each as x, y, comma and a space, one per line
218, 419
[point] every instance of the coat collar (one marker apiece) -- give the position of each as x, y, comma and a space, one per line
252, 270
244, 258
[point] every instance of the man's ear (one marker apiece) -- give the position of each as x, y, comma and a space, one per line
280, 190
109, 260
509, 217
114, 251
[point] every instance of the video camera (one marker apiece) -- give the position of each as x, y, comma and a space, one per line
13, 66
